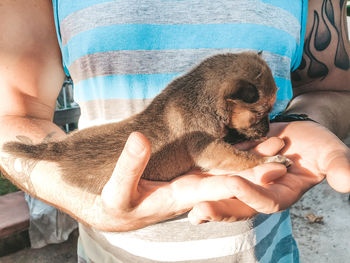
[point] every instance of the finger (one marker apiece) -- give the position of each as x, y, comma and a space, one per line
216, 187
338, 172
121, 189
270, 147
247, 145
226, 210
267, 199
264, 173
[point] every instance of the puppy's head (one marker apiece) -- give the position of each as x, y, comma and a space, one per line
246, 93
249, 118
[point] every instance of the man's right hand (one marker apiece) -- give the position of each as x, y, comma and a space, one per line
128, 202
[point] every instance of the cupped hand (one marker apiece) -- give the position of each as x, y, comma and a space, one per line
128, 202
316, 154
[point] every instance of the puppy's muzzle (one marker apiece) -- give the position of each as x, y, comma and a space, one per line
258, 130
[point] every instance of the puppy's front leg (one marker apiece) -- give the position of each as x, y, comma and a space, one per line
220, 155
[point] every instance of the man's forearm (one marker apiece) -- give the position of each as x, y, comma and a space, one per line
28, 130
327, 108
40, 178
321, 83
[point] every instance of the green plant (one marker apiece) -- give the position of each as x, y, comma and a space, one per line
6, 186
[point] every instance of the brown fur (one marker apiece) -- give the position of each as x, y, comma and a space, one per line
193, 122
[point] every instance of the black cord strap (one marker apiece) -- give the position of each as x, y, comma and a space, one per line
291, 117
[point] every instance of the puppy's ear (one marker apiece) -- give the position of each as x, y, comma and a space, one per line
260, 53
246, 92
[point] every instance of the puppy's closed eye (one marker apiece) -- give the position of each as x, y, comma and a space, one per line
246, 92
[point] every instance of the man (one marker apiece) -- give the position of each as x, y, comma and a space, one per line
31, 75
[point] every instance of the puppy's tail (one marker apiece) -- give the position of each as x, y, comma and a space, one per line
44, 151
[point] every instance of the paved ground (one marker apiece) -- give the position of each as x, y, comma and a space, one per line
326, 241
58, 253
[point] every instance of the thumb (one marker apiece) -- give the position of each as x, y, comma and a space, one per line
338, 172
121, 190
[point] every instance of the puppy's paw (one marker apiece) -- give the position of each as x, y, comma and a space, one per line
278, 159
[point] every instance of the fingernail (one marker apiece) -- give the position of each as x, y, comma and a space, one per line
135, 145
193, 220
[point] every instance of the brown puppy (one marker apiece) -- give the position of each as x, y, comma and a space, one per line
192, 123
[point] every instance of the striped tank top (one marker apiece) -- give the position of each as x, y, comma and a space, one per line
121, 54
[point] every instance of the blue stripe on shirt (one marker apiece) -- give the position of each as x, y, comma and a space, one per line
153, 37
276, 238
284, 89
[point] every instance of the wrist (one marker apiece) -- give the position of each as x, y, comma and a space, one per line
326, 107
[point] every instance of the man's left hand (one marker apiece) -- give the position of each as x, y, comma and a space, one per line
316, 154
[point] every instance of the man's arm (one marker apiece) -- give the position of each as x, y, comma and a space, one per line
321, 83
31, 77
